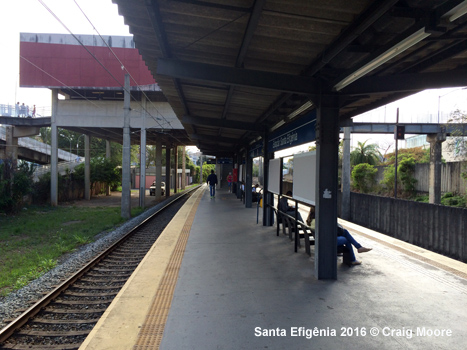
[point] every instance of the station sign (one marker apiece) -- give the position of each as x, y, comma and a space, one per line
296, 133
224, 160
256, 150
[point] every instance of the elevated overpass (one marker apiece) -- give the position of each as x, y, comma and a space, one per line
27, 149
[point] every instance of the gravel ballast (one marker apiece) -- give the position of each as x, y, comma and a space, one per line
16, 302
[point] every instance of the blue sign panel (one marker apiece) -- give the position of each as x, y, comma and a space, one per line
224, 161
256, 150
298, 132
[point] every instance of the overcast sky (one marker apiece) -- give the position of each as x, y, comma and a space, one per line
30, 16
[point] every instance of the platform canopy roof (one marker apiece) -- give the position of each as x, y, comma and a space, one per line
235, 69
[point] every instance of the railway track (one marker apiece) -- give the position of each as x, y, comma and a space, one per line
63, 318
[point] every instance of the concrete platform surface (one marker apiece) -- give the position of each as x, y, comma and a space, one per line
240, 286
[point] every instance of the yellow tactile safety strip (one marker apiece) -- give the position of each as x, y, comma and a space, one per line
150, 335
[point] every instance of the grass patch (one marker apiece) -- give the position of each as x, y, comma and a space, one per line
33, 240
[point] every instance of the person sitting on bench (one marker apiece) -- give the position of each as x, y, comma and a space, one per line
344, 238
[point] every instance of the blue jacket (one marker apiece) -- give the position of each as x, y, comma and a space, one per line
212, 179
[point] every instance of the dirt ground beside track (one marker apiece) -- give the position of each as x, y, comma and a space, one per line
114, 200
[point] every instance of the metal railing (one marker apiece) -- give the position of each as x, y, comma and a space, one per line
23, 111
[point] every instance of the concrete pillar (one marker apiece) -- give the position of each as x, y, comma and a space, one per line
201, 180
267, 197
107, 155
435, 141
248, 179
183, 167
167, 171
239, 184
54, 151
126, 157
327, 151
11, 147
345, 205
159, 170
87, 167
175, 168
142, 163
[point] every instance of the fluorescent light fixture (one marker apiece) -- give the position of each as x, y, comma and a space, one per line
299, 110
456, 12
296, 112
408, 42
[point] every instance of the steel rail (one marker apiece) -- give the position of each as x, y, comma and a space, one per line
22, 319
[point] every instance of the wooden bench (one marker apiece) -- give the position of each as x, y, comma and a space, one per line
288, 229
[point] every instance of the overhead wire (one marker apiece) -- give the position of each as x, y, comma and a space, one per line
105, 68
123, 66
61, 82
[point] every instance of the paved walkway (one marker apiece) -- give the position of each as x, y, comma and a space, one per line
239, 286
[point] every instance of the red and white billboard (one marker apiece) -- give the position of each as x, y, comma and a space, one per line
59, 60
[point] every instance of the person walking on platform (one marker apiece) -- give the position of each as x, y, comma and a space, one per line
229, 182
212, 182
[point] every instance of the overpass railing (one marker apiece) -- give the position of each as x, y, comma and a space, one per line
25, 111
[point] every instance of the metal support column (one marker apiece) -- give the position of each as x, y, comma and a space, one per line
54, 151
327, 151
248, 179
239, 176
126, 159
267, 197
87, 167
142, 163
175, 168
201, 180
183, 167
167, 171
107, 155
158, 193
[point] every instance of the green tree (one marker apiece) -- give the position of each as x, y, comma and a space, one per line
364, 177
364, 153
103, 170
207, 170
406, 171
419, 154
388, 178
14, 185
405, 177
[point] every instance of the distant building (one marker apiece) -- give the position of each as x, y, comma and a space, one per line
452, 150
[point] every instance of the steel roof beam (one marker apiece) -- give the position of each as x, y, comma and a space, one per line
222, 123
238, 77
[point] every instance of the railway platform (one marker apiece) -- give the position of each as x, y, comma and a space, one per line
216, 279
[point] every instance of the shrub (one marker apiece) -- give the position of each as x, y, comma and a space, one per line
453, 200
388, 178
14, 185
363, 177
406, 171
